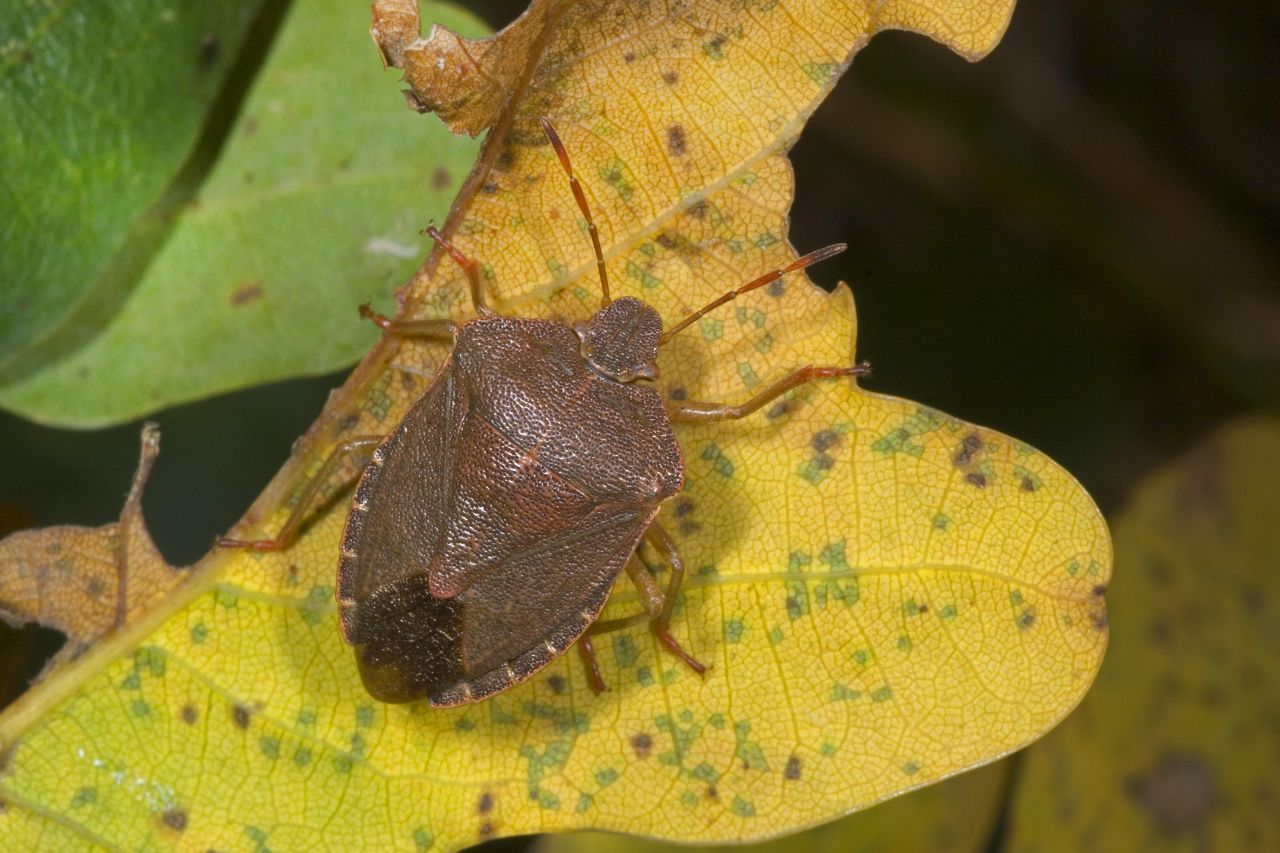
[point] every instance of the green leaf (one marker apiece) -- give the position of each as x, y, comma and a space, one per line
314, 206
100, 105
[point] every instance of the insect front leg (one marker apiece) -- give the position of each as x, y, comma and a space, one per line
693, 412
410, 328
289, 532
469, 267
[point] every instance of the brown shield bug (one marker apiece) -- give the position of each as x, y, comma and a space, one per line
490, 525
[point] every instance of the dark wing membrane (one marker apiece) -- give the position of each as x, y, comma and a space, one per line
403, 496
513, 620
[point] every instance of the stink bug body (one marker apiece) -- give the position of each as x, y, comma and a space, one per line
490, 525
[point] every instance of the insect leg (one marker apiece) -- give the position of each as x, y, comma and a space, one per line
660, 539
410, 328
469, 266
704, 412
289, 531
652, 596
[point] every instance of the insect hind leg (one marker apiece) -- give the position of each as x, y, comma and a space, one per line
293, 525
658, 605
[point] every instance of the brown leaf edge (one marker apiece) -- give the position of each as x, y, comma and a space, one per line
88, 582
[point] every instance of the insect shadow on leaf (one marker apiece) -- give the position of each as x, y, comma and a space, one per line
491, 523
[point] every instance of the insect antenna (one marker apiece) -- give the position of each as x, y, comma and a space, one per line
582, 204
798, 264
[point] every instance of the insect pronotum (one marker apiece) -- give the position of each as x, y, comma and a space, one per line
491, 523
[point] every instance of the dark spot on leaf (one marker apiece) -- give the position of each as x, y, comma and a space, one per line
556, 683
348, 421
775, 288
175, 819
189, 714
1026, 619
678, 394
711, 793
666, 241
629, 56
96, 587
240, 716
505, 160
975, 478
1177, 794
969, 447
248, 292
823, 439
923, 608
778, 409
489, 188
1100, 590
670, 77
823, 462
210, 47
1100, 620
1028, 485
642, 744
486, 829
698, 210
793, 768
688, 528
684, 507
676, 142
486, 803
441, 179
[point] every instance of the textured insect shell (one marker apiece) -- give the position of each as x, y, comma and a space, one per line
490, 525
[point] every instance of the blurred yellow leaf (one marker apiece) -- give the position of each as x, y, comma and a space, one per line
1175, 748
887, 595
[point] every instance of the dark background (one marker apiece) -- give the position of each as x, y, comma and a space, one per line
1073, 241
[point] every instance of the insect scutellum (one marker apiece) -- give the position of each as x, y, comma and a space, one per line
621, 340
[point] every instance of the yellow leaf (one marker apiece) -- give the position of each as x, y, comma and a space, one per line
887, 595
1175, 747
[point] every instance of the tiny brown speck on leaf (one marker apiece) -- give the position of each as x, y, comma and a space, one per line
240, 716
670, 77
248, 292
678, 394
486, 829
189, 714
485, 805
642, 744
975, 478
175, 819
210, 47
824, 439
969, 447
676, 142
1028, 485
556, 683
794, 766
